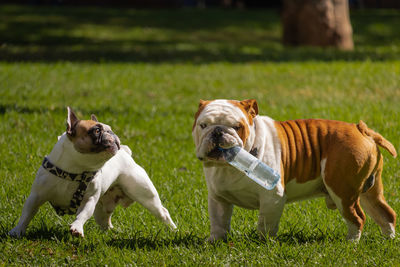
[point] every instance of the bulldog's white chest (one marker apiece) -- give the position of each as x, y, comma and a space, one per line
232, 186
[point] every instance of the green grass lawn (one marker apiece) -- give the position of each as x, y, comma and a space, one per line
143, 72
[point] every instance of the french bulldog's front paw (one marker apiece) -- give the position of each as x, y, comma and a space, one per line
16, 232
76, 230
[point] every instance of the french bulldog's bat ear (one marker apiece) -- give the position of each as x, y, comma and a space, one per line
71, 121
250, 105
93, 118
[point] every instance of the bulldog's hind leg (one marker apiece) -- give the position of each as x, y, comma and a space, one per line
345, 197
352, 213
374, 204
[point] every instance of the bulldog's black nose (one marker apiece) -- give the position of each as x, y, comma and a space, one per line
217, 134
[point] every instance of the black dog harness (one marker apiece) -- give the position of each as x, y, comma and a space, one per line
83, 179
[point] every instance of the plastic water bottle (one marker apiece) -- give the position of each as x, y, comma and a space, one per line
255, 169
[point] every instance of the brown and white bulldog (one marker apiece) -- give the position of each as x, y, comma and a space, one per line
315, 158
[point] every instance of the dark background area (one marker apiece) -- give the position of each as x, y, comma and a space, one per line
191, 3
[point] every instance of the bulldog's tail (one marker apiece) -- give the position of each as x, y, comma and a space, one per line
378, 139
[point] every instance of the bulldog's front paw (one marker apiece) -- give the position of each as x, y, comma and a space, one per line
106, 226
215, 238
76, 229
16, 232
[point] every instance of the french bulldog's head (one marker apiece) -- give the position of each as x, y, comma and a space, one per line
223, 124
91, 136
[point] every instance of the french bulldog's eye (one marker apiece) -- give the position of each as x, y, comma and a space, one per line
203, 125
96, 131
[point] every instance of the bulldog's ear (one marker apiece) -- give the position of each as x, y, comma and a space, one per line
72, 119
250, 105
93, 118
203, 103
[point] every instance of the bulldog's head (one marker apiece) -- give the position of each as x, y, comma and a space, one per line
223, 124
91, 136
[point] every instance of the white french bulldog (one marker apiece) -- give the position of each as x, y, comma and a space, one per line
87, 173
332, 159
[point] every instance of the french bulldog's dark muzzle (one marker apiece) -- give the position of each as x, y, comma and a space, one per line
109, 139
106, 141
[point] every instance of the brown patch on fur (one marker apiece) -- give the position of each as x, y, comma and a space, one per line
202, 105
378, 139
301, 151
352, 156
83, 127
248, 106
114, 196
243, 131
81, 139
306, 142
374, 202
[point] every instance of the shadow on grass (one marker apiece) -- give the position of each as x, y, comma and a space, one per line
42, 233
31, 109
6, 108
291, 237
139, 242
82, 112
49, 34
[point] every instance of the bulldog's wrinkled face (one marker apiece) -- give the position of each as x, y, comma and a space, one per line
222, 124
91, 136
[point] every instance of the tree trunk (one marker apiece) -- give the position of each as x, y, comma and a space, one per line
317, 23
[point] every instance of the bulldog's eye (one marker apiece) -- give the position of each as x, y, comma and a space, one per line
203, 125
237, 128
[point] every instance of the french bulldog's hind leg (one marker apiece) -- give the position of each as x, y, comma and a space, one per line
374, 204
107, 204
103, 217
29, 210
138, 187
153, 204
220, 213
